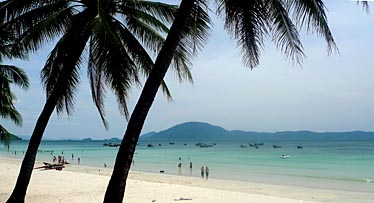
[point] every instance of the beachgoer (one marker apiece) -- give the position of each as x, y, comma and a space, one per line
62, 152
190, 164
180, 158
104, 165
180, 165
206, 172
202, 172
79, 160
72, 156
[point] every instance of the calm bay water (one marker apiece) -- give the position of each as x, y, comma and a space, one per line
329, 164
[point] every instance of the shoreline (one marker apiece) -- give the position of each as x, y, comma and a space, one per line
92, 181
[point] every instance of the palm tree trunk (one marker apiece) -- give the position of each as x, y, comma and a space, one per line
19, 191
116, 187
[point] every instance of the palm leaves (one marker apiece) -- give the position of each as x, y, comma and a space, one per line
249, 22
114, 39
9, 75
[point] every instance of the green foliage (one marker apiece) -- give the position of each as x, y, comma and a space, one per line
123, 37
9, 75
250, 22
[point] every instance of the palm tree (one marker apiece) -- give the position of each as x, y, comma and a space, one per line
118, 37
248, 22
9, 75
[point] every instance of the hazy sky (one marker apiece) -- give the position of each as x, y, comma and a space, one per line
328, 93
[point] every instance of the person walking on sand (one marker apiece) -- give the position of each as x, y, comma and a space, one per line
206, 172
79, 160
202, 172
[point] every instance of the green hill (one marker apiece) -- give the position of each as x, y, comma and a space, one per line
205, 131
14, 137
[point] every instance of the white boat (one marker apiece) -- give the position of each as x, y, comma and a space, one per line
284, 156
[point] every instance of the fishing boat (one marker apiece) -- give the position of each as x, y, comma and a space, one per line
284, 156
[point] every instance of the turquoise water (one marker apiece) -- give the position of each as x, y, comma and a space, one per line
330, 164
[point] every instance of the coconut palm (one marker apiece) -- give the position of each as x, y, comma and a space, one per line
9, 75
118, 39
248, 22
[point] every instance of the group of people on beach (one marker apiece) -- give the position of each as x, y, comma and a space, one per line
206, 171
62, 160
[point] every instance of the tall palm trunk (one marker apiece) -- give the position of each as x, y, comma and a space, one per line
116, 187
19, 192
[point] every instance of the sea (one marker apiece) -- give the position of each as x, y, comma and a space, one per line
323, 163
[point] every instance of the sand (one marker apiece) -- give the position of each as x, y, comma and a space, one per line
80, 184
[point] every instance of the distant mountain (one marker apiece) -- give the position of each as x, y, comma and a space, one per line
24, 137
114, 139
14, 137
147, 135
205, 131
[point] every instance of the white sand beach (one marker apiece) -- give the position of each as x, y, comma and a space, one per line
77, 184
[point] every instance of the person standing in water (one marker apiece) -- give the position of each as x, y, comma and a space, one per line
202, 172
206, 172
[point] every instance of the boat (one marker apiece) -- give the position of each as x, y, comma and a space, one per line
277, 146
48, 166
106, 144
299, 146
243, 146
200, 143
150, 145
252, 144
284, 156
206, 145
114, 145
159, 144
171, 142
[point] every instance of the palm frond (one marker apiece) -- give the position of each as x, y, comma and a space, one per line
4, 136
194, 37
311, 13
365, 5
163, 12
283, 31
15, 75
61, 71
9, 112
40, 26
246, 22
109, 55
